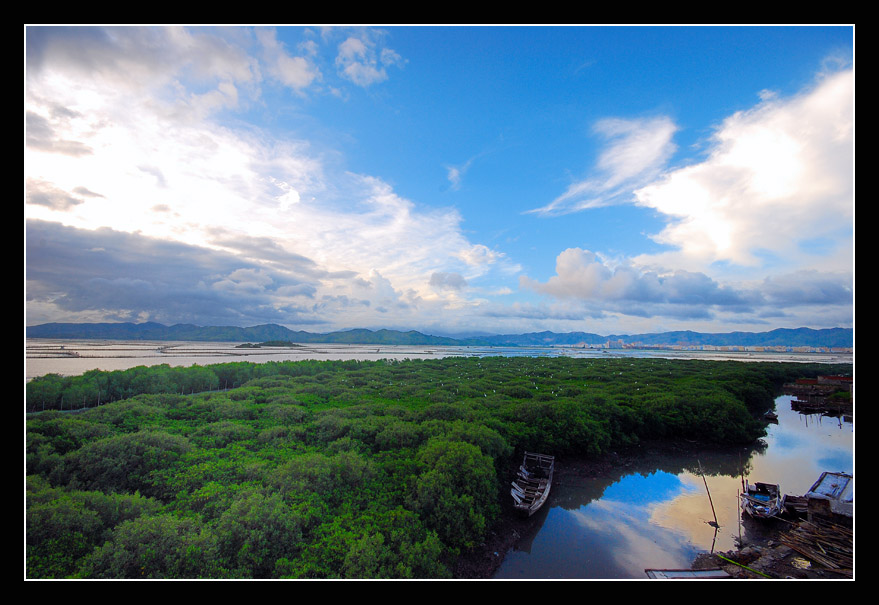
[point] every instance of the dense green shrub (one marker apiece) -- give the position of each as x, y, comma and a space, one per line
156, 547
255, 532
124, 463
456, 491
337, 469
63, 526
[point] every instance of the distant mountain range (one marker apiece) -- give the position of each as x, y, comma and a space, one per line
832, 337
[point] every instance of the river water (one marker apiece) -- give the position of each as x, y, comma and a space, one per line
658, 514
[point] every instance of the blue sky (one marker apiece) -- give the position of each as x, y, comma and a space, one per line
452, 180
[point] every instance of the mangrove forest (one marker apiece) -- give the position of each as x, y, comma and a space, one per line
338, 469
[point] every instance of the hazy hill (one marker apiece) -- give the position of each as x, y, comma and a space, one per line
833, 337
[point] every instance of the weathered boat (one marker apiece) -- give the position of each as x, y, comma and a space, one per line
533, 482
833, 492
761, 500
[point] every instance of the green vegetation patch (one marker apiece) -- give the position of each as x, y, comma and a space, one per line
337, 469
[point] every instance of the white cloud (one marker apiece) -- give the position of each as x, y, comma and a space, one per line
106, 64
455, 174
583, 275
296, 72
762, 226
594, 286
479, 255
358, 61
776, 175
637, 151
160, 166
389, 233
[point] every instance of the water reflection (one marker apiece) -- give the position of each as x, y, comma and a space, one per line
658, 513
801, 446
603, 530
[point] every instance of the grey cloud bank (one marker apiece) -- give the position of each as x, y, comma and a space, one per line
83, 275
124, 277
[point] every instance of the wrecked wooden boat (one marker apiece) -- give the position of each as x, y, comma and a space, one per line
533, 481
832, 494
761, 500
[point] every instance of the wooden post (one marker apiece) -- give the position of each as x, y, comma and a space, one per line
739, 516
709, 494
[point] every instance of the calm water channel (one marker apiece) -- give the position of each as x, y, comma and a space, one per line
657, 515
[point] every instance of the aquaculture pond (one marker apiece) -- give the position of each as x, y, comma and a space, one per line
656, 513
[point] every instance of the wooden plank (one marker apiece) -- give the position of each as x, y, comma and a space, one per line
686, 574
523, 490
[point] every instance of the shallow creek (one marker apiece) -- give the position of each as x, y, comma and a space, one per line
657, 513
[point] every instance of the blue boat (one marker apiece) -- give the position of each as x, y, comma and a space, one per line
761, 500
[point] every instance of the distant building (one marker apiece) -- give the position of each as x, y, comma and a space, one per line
842, 382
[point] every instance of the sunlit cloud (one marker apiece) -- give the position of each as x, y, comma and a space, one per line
773, 194
776, 175
582, 274
171, 172
595, 286
636, 152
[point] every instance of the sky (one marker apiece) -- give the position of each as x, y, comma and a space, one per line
455, 180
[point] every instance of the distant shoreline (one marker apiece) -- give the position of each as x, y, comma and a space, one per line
46, 356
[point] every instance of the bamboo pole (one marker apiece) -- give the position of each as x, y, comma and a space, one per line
716, 524
739, 516
759, 573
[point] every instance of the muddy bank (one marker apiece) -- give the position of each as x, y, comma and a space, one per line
770, 557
